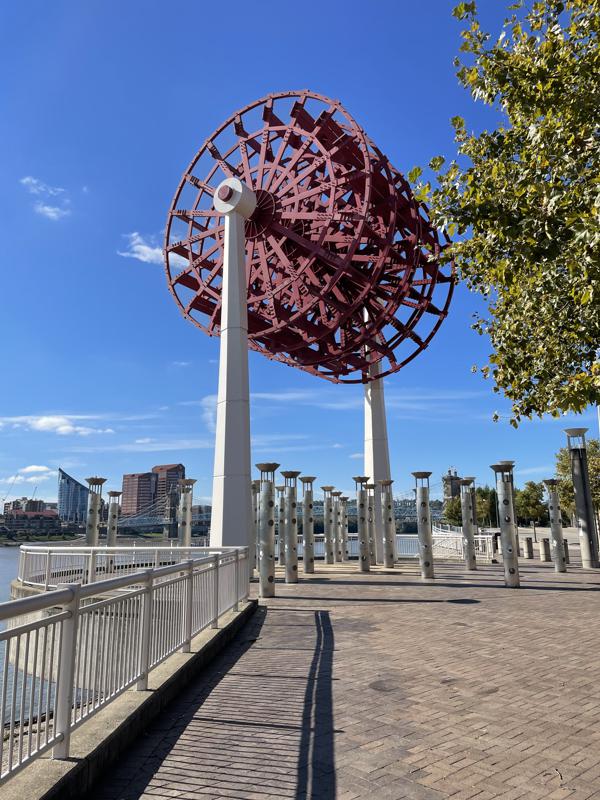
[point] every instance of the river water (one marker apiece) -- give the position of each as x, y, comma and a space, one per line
9, 561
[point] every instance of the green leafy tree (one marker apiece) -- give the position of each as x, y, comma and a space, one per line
487, 513
530, 505
563, 473
452, 511
523, 201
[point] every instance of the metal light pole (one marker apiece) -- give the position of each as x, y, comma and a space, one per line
370, 487
328, 524
584, 508
506, 516
231, 503
253, 551
291, 526
308, 524
424, 524
364, 560
557, 541
185, 511
93, 512
344, 501
266, 530
337, 526
468, 522
389, 523
113, 519
281, 523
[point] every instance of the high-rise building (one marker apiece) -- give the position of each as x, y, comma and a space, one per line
72, 498
139, 492
168, 476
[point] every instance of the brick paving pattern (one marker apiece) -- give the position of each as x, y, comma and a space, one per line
383, 687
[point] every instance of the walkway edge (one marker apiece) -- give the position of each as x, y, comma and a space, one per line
101, 740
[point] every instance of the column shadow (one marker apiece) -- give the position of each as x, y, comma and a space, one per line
316, 758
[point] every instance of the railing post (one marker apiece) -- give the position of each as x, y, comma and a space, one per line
189, 597
92, 566
215, 621
66, 673
236, 607
146, 638
48, 568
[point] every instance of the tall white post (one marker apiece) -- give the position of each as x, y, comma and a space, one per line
468, 522
291, 526
266, 530
281, 523
424, 524
308, 524
113, 519
506, 514
557, 541
231, 521
336, 511
364, 559
92, 528
328, 524
389, 524
377, 456
184, 517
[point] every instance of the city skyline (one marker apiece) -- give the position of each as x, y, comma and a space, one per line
88, 190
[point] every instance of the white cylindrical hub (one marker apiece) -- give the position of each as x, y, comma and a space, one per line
377, 457
468, 522
291, 527
389, 524
308, 525
92, 529
112, 523
364, 559
266, 530
506, 514
424, 524
557, 542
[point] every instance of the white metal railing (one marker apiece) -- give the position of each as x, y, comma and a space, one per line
46, 567
66, 653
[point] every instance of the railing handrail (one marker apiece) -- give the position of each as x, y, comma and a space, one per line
101, 549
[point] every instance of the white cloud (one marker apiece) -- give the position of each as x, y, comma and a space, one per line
56, 210
21, 476
34, 468
36, 186
141, 249
51, 212
181, 363
209, 411
145, 440
153, 446
61, 424
356, 455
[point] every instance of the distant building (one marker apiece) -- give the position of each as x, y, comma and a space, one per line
167, 477
451, 484
32, 522
139, 492
72, 498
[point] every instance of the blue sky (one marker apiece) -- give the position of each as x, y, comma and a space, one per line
104, 104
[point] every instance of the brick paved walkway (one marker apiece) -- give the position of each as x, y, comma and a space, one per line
380, 686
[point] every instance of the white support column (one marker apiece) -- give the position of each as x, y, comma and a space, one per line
364, 560
377, 456
184, 517
291, 526
557, 542
308, 524
281, 524
92, 529
231, 522
468, 521
266, 530
113, 519
345, 554
336, 513
504, 491
255, 490
370, 487
328, 524
389, 524
424, 524
588, 540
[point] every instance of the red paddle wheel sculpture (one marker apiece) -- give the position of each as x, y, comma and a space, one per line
341, 260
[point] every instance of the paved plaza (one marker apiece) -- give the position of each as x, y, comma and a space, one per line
382, 686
